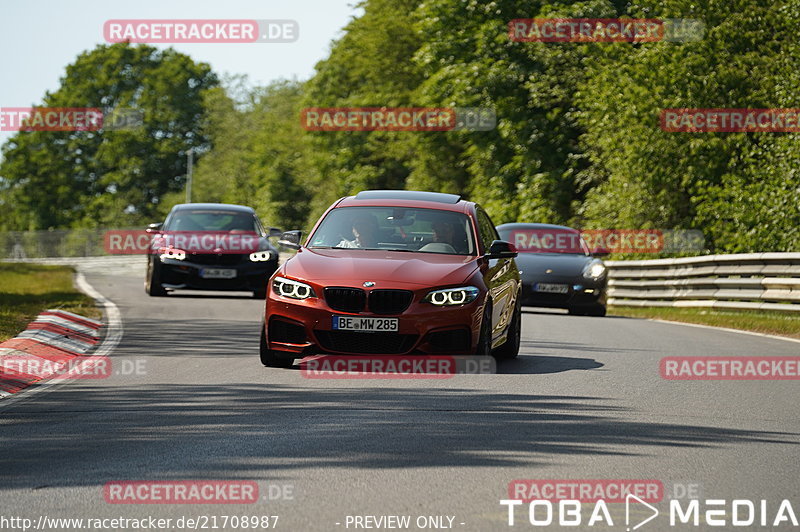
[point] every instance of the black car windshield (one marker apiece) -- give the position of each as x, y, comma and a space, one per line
211, 220
537, 239
395, 229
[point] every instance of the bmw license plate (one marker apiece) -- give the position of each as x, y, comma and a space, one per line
357, 323
551, 288
217, 273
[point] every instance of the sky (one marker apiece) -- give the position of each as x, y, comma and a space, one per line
39, 38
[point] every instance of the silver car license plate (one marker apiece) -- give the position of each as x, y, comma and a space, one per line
551, 288
217, 273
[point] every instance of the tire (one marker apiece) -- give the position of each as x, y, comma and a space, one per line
510, 349
598, 310
152, 281
261, 293
272, 358
595, 310
484, 348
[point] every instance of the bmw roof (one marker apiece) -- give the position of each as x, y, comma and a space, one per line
408, 195
215, 206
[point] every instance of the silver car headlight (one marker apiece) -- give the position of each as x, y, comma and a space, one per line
452, 296
594, 269
292, 289
261, 256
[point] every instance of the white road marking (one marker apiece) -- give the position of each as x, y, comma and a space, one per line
751, 333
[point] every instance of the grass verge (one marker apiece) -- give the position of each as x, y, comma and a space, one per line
28, 289
778, 323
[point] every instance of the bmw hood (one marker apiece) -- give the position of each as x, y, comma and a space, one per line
353, 267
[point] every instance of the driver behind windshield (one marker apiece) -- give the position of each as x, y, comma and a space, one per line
365, 231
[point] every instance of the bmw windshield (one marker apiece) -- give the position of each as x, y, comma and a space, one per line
395, 229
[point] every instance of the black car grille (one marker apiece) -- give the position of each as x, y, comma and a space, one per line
452, 340
366, 343
214, 259
345, 299
285, 332
389, 301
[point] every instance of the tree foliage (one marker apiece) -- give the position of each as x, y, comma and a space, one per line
577, 140
106, 177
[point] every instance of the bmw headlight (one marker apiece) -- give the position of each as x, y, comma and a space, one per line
594, 269
452, 296
172, 253
261, 256
292, 289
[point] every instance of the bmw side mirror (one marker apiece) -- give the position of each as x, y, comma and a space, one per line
275, 232
153, 228
600, 253
500, 249
290, 239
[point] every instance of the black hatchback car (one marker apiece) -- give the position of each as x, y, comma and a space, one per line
557, 268
210, 246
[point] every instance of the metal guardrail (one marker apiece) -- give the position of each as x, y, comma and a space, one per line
760, 281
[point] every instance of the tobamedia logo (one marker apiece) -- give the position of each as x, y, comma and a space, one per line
590, 503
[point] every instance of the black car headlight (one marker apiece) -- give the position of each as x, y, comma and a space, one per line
594, 269
452, 296
261, 256
172, 253
292, 289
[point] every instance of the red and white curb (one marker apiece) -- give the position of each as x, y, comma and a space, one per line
51, 341
54, 340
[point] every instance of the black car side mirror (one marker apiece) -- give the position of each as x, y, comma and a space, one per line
153, 228
290, 239
275, 232
600, 253
500, 249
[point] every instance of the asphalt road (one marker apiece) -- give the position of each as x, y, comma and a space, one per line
583, 401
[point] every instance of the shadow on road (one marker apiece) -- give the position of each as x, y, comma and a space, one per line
536, 365
236, 339
94, 435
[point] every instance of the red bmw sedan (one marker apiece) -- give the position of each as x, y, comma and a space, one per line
398, 273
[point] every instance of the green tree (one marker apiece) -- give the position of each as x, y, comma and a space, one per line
261, 157
369, 66
108, 177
